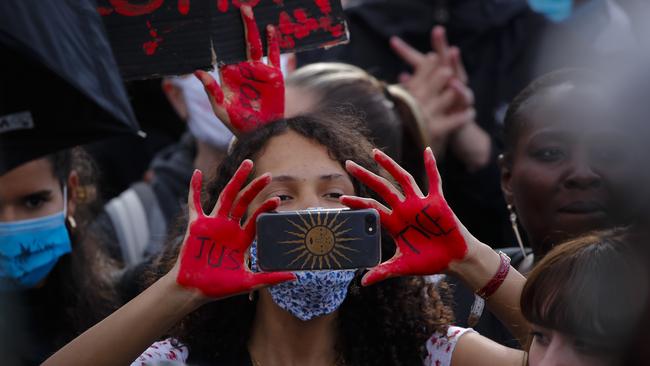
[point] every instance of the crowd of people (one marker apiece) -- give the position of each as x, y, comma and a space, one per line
526, 158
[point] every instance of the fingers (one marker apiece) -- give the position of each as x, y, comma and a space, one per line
378, 184
392, 268
268, 205
409, 54
215, 94
457, 64
465, 93
432, 171
358, 203
273, 45
404, 178
227, 196
194, 196
248, 195
253, 40
257, 280
439, 44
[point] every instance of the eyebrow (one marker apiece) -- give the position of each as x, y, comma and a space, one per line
290, 178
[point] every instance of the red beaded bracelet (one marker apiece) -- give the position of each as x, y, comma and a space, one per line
496, 281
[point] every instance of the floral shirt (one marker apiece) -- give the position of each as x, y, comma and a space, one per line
440, 348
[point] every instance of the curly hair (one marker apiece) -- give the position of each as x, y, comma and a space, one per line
385, 324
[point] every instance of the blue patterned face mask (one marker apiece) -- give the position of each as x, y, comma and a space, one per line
555, 10
313, 294
29, 249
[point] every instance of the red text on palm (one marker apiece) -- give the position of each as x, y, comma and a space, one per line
214, 249
425, 229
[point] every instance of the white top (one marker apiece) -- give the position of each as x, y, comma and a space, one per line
440, 348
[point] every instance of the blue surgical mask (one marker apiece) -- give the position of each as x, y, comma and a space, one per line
29, 249
555, 10
313, 294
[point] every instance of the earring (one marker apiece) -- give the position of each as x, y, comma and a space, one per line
251, 295
72, 222
515, 229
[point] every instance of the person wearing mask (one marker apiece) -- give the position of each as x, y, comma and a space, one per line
54, 277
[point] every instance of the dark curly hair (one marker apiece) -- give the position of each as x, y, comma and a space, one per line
385, 324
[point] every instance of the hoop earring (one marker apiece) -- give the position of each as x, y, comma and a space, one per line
515, 229
72, 222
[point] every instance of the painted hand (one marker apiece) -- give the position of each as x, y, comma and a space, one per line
215, 245
426, 231
252, 92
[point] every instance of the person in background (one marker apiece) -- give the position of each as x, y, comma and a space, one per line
55, 279
585, 299
136, 223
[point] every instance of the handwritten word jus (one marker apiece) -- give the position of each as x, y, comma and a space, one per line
218, 256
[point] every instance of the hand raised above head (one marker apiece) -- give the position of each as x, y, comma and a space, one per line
251, 92
427, 233
212, 259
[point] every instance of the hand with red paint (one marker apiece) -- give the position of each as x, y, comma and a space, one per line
252, 92
213, 256
427, 233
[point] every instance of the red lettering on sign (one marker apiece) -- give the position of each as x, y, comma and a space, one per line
150, 47
184, 6
124, 7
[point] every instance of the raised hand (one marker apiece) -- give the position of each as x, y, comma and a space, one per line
438, 83
215, 245
426, 231
252, 92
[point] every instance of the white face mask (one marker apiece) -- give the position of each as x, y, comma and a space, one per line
201, 121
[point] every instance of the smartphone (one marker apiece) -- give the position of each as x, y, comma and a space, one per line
322, 239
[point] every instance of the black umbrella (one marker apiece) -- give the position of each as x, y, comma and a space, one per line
59, 84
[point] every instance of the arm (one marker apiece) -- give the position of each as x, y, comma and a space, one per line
473, 349
430, 239
194, 280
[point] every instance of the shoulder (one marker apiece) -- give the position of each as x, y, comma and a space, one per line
169, 350
440, 346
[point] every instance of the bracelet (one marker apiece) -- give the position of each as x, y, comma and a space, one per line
496, 281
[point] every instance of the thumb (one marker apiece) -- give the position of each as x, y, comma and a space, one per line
258, 280
392, 268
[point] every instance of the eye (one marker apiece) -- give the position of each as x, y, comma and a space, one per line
283, 197
540, 338
333, 195
549, 154
35, 201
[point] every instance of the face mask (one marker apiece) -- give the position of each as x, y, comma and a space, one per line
555, 10
201, 121
29, 249
313, 294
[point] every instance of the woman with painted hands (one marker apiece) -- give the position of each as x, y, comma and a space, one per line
54, 278
200, 302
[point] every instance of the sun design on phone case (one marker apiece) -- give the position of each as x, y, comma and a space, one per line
319, 241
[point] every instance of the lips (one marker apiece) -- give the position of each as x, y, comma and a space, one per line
583, 207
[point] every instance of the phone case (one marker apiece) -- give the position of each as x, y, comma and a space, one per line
324, 239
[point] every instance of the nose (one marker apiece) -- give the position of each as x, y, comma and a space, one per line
7, 214
581, 174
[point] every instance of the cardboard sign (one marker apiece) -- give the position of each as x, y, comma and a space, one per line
151, 38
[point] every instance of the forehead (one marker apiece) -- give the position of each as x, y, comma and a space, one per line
30, 177
572, 109
295, 155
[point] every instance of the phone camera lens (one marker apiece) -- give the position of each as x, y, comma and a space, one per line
371, 226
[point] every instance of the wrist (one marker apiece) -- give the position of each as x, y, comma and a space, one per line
188, 298
477, 267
